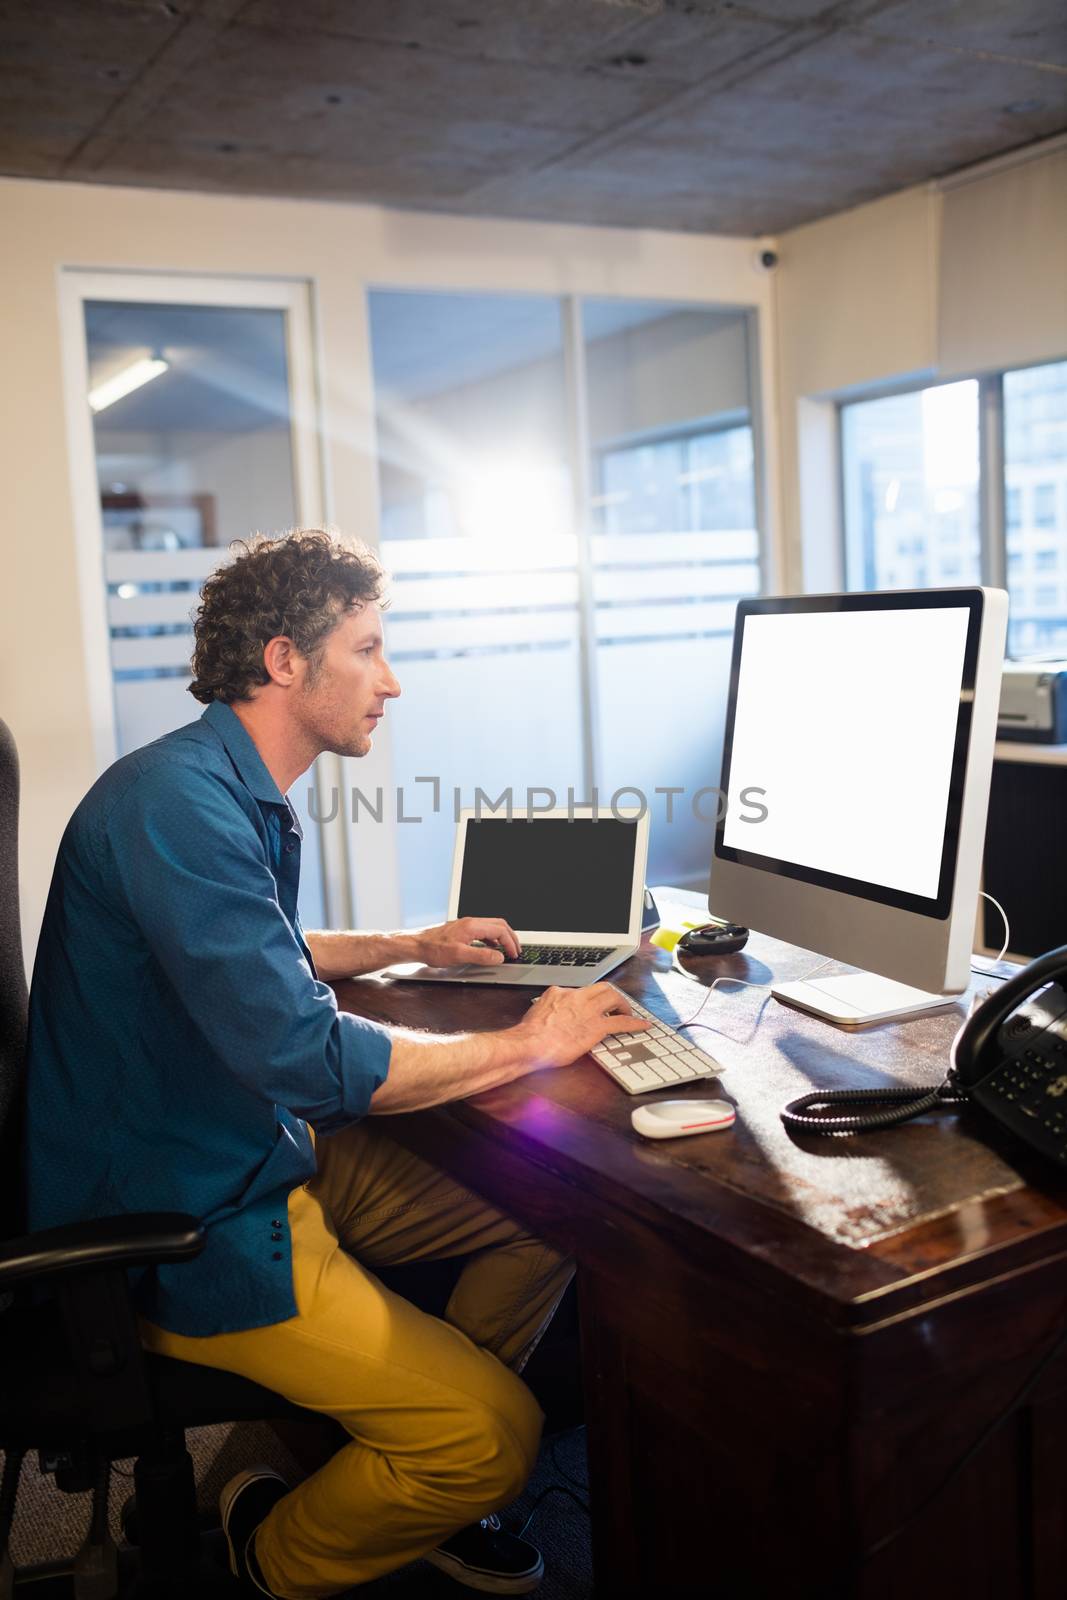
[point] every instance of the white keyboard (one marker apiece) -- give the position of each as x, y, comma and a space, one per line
656, 1059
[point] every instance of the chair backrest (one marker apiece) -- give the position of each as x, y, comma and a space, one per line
13, 995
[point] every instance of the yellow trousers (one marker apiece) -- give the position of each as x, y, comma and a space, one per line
442, 1432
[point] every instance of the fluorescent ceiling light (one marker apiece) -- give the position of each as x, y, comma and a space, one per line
126, 381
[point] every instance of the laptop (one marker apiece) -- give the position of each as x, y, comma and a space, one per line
570, 883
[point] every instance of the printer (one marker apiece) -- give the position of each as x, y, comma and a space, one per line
1033, 702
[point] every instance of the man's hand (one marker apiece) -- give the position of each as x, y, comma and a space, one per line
565, 1023
450, 945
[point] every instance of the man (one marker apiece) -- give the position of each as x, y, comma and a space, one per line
186, 1054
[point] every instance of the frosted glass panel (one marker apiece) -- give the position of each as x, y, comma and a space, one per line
193, 450
477, 530
674, 547
507, 719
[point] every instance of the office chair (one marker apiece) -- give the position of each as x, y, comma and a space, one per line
75, 1383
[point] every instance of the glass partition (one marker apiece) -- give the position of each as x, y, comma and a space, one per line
551, 636
674, 547
477, 530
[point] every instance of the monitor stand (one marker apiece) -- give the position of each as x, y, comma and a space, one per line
860, 998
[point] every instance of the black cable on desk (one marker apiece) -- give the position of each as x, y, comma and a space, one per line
803, 1115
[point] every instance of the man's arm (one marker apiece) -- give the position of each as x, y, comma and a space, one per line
347, 955
194, 878
188, 867
561, 1026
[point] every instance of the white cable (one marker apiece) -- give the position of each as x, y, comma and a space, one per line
1007, 933
744, 982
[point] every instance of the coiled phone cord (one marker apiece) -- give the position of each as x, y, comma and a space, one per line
809, 1113
901, 1104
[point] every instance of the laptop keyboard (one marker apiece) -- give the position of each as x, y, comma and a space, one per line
657, 1059
554, 955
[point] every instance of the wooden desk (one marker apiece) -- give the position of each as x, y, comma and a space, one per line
786, 1343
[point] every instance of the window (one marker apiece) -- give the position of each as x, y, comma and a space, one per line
669, 425
477, 532
1045, 505
912, 471
911, 487
643, 488
570, 607
697, 484
1035, 468
1013, 507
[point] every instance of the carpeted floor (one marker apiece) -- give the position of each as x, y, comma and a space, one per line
50, 1526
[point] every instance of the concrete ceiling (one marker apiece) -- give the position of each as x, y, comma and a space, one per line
702, 115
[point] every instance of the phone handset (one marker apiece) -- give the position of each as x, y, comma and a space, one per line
973, 1049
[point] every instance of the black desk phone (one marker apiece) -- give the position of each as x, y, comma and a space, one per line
1009, 1058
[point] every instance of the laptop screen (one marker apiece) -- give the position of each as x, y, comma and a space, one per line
550, 872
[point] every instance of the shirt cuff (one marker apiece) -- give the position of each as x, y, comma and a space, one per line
365, 1051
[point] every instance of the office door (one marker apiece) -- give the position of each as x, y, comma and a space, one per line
194, 427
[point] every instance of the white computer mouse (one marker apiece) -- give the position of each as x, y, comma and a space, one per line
671, 1119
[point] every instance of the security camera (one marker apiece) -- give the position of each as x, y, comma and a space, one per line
764, 260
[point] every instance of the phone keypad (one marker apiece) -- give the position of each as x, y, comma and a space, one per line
1028, 1092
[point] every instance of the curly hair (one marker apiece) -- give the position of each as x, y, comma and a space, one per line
299, 585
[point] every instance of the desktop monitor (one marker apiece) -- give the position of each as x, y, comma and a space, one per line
856, 766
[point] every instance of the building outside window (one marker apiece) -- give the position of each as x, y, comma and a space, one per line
1013, 507
701, 482
1035, 467
912, 474
1045, 505
911, 488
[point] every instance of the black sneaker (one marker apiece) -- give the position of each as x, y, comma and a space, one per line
244, 1502
484, 1557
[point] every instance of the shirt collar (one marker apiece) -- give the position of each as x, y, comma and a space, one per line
241, 749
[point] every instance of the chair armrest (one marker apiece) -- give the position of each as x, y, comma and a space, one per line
136, 1240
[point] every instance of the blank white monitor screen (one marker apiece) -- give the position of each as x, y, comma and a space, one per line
848, 720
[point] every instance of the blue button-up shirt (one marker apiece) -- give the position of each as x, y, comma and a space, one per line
180, 1042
